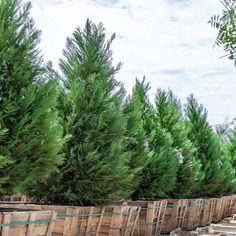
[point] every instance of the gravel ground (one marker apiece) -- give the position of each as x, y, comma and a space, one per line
226, 227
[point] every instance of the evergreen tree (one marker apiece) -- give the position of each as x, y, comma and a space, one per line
168, 113
230, 153
27, 102
159, 175
96, 170
5, 161
218, 173
136, 109
223, 131
231, 148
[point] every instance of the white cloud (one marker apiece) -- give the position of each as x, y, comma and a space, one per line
169, 41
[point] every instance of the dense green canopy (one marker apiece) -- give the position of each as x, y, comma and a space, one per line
28, 114
78, 136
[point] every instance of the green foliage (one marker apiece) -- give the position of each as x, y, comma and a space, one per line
136, 109
230, 153
225, 130
96, 166
218, 173
231, 148
37, 136
5, 161
159, 176
226, 26
27, 102
112, 148
170, 119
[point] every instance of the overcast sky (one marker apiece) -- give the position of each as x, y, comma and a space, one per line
168, 41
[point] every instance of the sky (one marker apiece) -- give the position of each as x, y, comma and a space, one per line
167, 41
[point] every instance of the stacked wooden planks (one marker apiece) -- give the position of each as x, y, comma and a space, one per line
75, 220
207, 211
119, 220
16, 198
26, 223
229, 205
150, 218
182, 213
218, 212
139, 218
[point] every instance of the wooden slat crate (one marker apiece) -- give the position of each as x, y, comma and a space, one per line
182, 213
119, 220
191, 219
175, 212
208, 211
16, 198
151, 217
218, 210
75, 221
234, 203
229, 205
89, 221
26, 223
70, 221
226, 206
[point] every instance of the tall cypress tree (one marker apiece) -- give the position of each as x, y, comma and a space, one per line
169, 115
5, 161
159, 175
231, 147
136, 109
218, 173
96, 165
27, 101
230, 154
